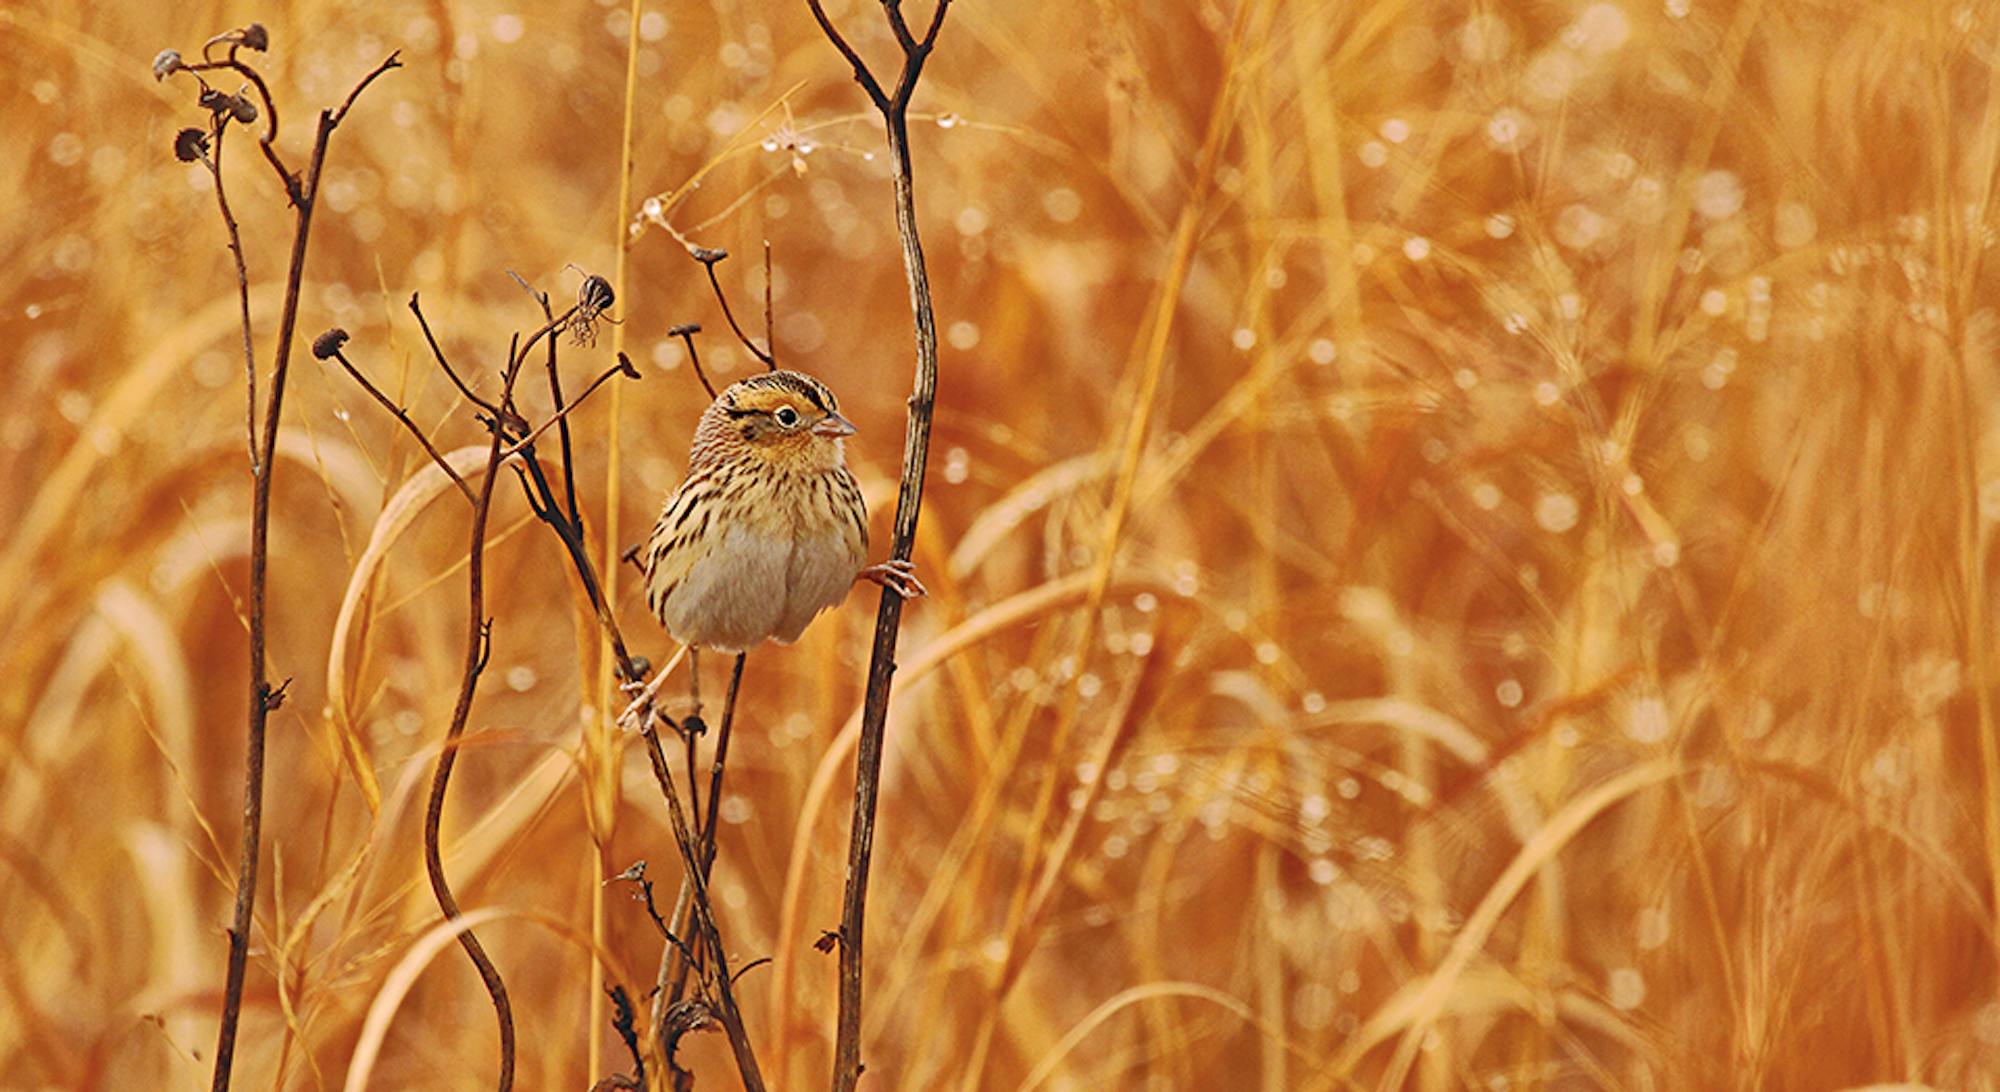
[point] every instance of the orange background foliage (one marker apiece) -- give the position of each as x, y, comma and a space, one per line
1549, 645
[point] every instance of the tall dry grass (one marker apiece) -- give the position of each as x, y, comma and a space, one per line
1492, 500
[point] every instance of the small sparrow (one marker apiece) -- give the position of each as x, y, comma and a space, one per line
769, 527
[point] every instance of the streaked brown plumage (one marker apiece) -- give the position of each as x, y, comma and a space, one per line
769, 528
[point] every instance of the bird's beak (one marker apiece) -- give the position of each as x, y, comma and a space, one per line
834, 425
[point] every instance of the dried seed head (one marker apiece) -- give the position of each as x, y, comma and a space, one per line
627, 368
327, 345
215, 102
685, 329
190, 145
255, 37
166, 63
243, 110
708, 255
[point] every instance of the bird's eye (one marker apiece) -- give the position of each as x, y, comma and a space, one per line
787, 416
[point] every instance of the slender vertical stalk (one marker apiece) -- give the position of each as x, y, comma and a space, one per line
263, 697
895, 110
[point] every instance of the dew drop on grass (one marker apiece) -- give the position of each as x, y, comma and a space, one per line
1508, 693
1654, 927
1089, 686
1116, 846
1244, 338
1395, 130
1718, 195
1646, 720
1322, 872
1627, 988
1313, 1006
1416, 248
1373, 154
1349, 788
1499, 225
1321, 351
1267, 653
735, 809
1062, 204
521, 678
1142, 644
947, 120
957, 466
1556, 513
1486, 495
1313, 702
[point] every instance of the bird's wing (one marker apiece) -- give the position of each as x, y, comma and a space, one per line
680, 537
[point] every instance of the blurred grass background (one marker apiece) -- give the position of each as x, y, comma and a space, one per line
1550, 643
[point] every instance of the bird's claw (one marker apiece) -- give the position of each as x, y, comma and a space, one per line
641, 709
898, 576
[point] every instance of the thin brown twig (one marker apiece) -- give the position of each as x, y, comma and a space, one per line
894, 109
686, 332
437, 353
478, 650
399, 414
264, 698
218, 124
725, 995
268, 141
709, 258
624, 367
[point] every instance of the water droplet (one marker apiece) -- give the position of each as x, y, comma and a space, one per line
1321, 351
1508, 693
1718, 195
1556, 512
947, 120
521, 678
1647, 721
1627, 988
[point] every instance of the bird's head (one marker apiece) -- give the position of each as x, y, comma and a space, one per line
787, 419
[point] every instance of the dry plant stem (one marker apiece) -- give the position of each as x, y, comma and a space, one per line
705, 829
263, 698
708, 259
725, 994
478, 646
218, 127
400, 414
894, 108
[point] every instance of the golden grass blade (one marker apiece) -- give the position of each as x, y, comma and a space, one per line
415, 494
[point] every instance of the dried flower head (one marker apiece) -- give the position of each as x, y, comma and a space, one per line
255, 37
166, 63
190, 145
327, 345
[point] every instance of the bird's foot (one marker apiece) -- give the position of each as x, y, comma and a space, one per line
898, 576
640, 711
